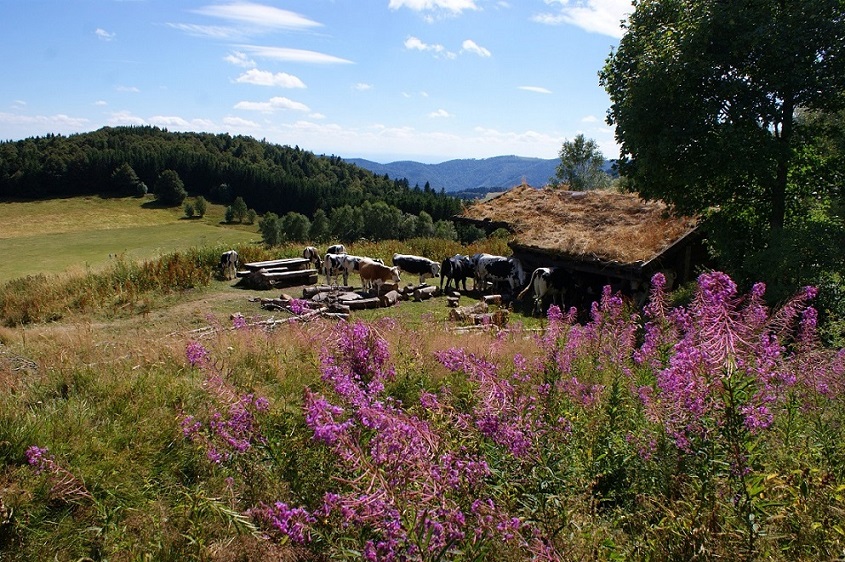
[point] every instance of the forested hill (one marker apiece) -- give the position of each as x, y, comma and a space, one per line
269, 177
466, 174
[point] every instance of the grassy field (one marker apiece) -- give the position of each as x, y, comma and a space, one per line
152, 412
87, 233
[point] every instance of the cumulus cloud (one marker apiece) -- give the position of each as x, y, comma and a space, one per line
272, 105
415, 44
596, 16
292, 55
470, 46
452, 6
238, 123
126, 118
362, 87
239, 59
266, 78
258, 15
439, 113
128, 89
60, 121
536, 89
104, 35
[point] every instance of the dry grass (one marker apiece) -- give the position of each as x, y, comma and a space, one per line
597, 225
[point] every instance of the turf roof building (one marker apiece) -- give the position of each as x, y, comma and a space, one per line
602, 236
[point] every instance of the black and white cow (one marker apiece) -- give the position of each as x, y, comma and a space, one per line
498, 269
551, 281
457, 269
334, 266
313, 255
417, 265
336, 249
229, 264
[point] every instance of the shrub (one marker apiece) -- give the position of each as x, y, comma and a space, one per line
169, 188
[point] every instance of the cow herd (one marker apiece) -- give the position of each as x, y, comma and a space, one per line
486, 270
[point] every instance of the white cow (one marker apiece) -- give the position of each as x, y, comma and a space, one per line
229, 264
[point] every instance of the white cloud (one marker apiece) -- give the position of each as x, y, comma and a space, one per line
210, 31
59, 121
104, 35
258, 15
439, 113
238, 123
536, 89
273, 104
266, 78
240, 59
596, 16
128, 89
470, 46
362, 87
125, 118
415, 44
293, 55
453, 6
589, 119
101, 103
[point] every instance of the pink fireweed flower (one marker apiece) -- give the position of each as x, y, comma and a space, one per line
196, 354
298, 306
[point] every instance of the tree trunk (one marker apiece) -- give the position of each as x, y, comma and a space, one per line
784, 155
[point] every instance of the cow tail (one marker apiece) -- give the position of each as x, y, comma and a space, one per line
529, 287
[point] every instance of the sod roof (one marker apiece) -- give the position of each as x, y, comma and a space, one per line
600, 225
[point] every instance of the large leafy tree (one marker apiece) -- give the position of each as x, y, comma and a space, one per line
705, 93
581, 165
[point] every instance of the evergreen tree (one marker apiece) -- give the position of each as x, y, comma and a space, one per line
169, 188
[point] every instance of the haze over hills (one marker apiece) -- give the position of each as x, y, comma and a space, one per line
468, 174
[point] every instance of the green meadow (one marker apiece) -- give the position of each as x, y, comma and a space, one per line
88, 233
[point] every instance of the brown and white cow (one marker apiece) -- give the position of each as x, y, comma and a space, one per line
375, 274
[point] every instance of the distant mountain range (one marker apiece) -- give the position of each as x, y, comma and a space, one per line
485, 174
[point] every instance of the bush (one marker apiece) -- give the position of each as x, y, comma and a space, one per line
189, 210
200, 206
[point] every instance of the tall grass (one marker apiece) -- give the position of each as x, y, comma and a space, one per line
699, 432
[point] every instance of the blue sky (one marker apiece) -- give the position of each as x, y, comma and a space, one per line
425, 80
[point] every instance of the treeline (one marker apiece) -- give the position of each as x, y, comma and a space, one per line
269, 177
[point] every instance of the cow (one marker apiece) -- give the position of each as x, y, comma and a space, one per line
313, 255
376, 274
336, 249
498, 269
333, 266
552, 281
457, 269
417, 265
229, 264
351, 264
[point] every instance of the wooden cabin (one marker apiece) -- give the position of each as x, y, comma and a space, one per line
602, 237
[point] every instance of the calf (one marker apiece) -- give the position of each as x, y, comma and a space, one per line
376, 274
229, 264
457, 269
417, 265
333, 266
498, 269
311, 254
552, 281
336, 249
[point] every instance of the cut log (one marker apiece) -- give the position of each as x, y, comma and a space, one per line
363, 303
390, 299
452, 302
492, 299
310, 292
464, 313
289, 263
425, 292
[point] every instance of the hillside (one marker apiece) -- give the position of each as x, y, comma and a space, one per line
475, 176
464, 174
